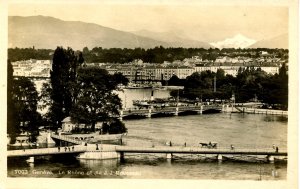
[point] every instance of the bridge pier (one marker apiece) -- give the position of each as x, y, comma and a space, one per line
122, 158
49, 139
201, 109
220, 157
223, 108
121, 115
176, 111
271, 159
149, 113
30, 160
169, 156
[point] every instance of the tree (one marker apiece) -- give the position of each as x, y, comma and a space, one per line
175, 81
284, 88
25, 99
96, 100
62, 80
85, 50
115, 126
199, 85
12, 123
120, 78
275, 89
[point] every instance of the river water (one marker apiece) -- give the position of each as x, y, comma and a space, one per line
240, 130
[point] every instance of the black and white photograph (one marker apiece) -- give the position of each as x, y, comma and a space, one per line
163, 90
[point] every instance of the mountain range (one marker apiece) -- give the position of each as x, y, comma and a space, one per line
238, 41
280, 41
48, 33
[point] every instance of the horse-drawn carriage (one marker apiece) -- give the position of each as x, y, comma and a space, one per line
209, 144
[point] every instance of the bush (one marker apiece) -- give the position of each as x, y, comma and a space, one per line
114, 127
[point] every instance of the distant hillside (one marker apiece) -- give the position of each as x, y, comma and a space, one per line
49, 32
281, 41
173, 39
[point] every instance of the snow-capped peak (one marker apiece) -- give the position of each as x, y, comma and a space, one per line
237, 41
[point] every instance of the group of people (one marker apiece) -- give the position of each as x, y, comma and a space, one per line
66, 148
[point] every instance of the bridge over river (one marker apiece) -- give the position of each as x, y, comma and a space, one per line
174, 110
268, 153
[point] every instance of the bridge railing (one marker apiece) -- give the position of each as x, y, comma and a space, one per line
165, 109
141, 111
265, 111
184, 108
62, 150
267, 148
190, 149
45, 151
65, 138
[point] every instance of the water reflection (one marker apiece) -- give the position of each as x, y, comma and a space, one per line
273, 118
110, 163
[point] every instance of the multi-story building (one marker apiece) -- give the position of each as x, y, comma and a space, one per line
32, 68
233, 68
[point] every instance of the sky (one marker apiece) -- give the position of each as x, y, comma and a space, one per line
194, 21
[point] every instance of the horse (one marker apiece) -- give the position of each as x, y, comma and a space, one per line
203, 144
208, 145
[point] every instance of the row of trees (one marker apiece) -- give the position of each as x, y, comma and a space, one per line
83, 93
249, 84
153, 55
17, 54
161, 54
22, 102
